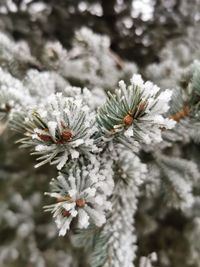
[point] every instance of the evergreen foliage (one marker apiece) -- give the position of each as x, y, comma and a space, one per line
125, 153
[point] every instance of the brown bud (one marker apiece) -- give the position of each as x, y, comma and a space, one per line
80, 202
181, 114
66, 213
45, 137
128, 120
66, 135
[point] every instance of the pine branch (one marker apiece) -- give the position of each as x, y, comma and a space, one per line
178, 178
135, 111
115, 244
81, 191
61, 129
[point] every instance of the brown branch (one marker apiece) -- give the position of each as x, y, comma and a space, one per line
184, 112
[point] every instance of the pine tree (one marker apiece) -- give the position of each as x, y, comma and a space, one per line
115, 159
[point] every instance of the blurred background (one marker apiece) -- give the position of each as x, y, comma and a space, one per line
138, 29
157, 38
